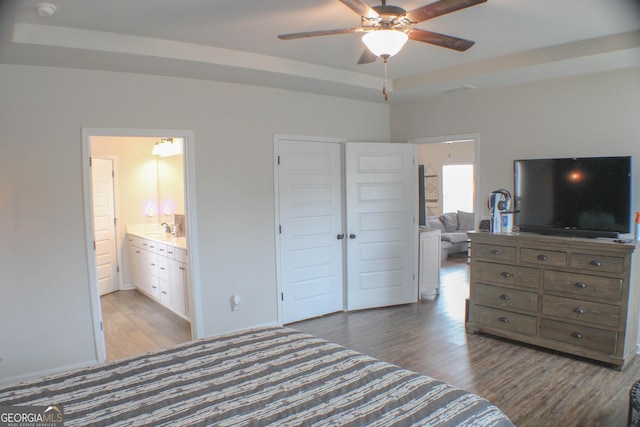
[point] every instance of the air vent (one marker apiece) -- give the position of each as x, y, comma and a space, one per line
456, 89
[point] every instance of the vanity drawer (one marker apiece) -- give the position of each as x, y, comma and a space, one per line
494, 252
498, 296
162, 249
583, 285
135, 241
543, 257
582, 336
503, 320
585, 311
488, 272
592, 262
149, 245
163, 268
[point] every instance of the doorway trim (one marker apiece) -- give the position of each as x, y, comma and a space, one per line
477, 204
193, 266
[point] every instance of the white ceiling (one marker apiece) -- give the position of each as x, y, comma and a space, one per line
235, 40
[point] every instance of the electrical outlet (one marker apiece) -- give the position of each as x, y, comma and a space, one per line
234, 301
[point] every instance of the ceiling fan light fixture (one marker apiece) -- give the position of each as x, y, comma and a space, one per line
385, 43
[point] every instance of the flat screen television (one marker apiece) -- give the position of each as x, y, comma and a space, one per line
581, 197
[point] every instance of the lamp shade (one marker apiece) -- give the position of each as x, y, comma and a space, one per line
385, 43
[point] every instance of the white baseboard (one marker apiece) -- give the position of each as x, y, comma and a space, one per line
36, 375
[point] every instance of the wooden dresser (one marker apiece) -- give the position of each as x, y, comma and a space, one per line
574, 295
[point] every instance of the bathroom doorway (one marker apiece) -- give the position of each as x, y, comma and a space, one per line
149, 190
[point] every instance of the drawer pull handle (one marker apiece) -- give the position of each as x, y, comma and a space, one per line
153, 265
162, 268
578, 310
596, 263
580, 285
505, 274
543, 258
504, 297
503, 320
164, 292
495, 252
154, 287
576, 335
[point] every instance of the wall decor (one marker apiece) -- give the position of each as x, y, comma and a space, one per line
431, 188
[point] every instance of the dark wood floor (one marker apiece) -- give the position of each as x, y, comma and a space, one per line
135, 324
533, 387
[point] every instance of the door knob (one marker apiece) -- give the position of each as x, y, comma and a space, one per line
340, 236
352, 236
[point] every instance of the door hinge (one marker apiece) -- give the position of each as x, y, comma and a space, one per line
90, 161
101, 326
280, 229
117, 269
115, 220
278, 159
94, 245
113, 174
281, 296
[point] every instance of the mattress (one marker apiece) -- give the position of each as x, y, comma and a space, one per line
256, 377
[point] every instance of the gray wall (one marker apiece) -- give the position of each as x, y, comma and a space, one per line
583, 116
45, 310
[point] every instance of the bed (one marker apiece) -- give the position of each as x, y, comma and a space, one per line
256, 377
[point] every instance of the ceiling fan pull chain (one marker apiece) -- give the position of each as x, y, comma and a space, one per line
384, 84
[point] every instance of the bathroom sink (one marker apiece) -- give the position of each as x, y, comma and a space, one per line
159, 236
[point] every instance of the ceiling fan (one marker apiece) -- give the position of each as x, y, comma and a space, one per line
393, 25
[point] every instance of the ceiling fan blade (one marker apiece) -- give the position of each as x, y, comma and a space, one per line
438, 8
306, 34
361, 8
367, 57
442, 40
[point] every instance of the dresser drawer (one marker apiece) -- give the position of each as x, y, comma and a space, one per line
585, 311
592, 262
503, 319
494, 252
498, 296
582, 336
543, 257
583, 285
488, 272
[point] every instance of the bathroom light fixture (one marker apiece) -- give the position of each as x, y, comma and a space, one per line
167, 147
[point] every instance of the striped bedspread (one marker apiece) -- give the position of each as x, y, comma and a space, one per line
256, 377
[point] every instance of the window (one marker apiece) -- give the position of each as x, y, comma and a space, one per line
457, 188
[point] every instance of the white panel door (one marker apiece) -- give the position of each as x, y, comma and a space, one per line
382, 204
104, 224
310, 210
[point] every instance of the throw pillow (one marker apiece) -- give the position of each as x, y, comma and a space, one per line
434, 223
465, 221
450, 221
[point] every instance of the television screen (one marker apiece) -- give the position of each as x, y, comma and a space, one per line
589, 197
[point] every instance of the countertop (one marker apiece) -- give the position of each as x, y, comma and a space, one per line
157, 234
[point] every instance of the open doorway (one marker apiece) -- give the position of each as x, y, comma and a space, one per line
150, 303
449, 165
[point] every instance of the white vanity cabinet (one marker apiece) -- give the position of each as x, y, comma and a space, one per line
179, 283
159, 271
